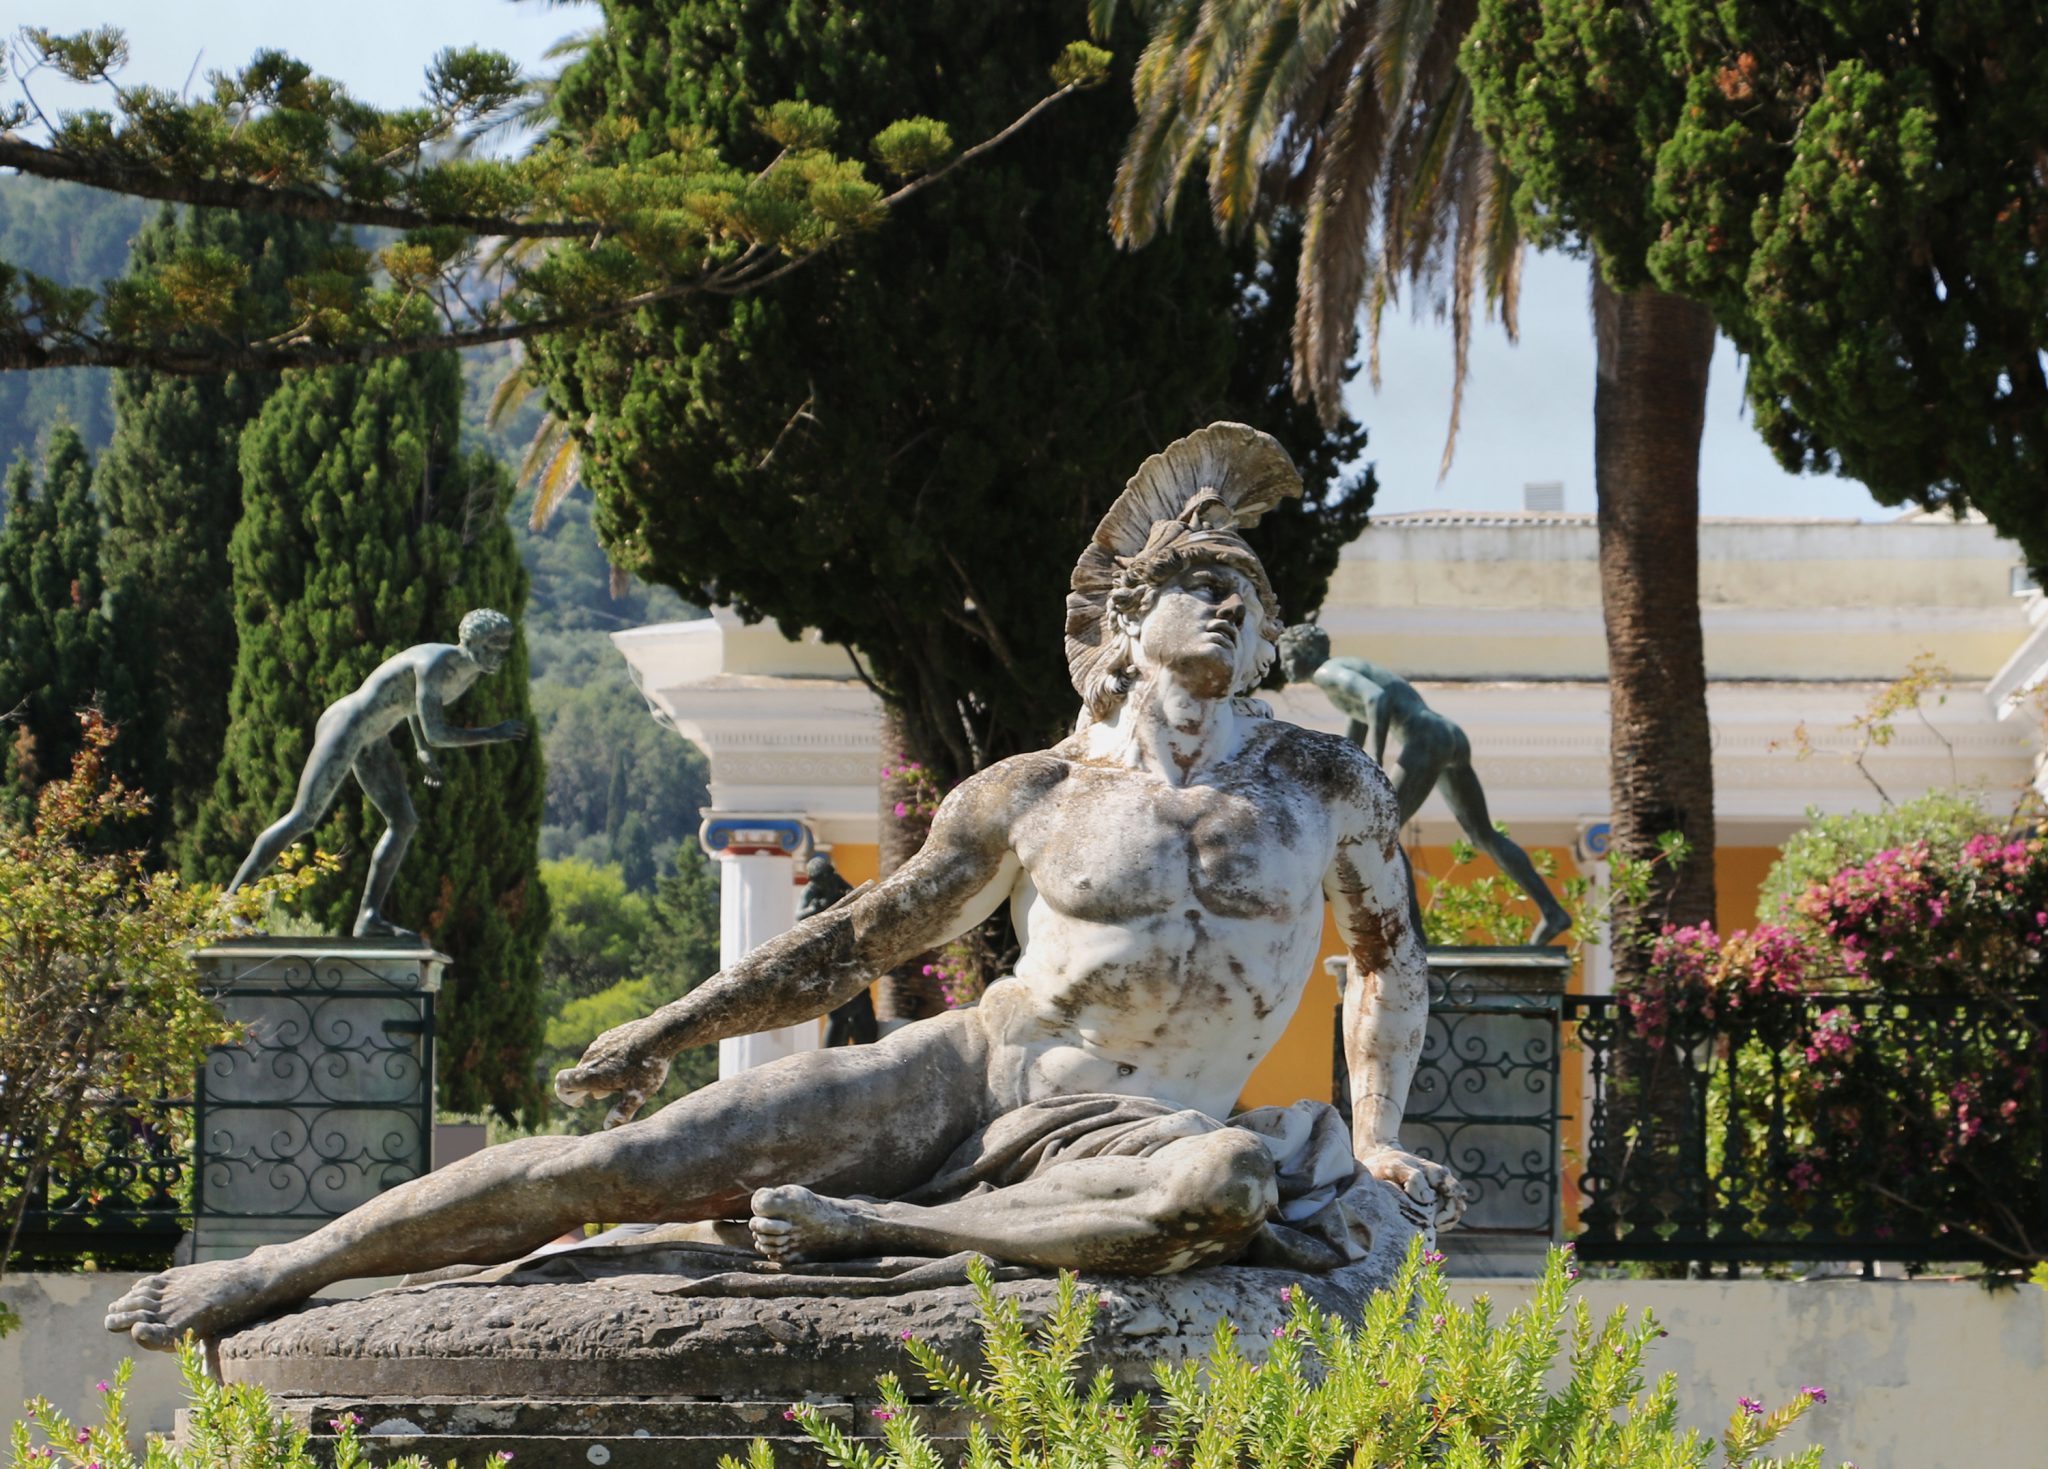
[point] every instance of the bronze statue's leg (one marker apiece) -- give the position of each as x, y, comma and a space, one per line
381, 774
1194, 1202
1468, 803
319, 782
1414, 776
877, 1119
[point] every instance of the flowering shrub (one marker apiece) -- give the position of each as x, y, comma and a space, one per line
1436, 1384
919, 791
961, 969
1875, 1060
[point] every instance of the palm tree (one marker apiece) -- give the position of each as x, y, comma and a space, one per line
1354, 114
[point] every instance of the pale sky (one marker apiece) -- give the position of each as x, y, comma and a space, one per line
1528, 409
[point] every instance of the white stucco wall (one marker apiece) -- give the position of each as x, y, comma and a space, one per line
1919, 1374
62, 1349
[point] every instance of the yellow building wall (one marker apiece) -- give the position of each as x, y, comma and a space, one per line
858, 862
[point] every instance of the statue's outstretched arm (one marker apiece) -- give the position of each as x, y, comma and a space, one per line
963, 873
431, 726
1386, 1004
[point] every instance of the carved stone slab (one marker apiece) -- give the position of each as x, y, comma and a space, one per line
626, 1368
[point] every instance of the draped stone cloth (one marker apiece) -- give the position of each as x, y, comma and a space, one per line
1319, 1224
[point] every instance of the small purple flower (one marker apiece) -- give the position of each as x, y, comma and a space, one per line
1750, 1406
1159, 1451
1818, 1394
1436, 1323
1286, 1298
84, 1437
789, 1415
1278, 1332
906, 1336
103, 1386
885, 1414
1433, 1257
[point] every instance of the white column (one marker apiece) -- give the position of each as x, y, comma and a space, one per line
757, 898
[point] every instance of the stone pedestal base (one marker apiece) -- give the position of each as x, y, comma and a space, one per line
645, 1369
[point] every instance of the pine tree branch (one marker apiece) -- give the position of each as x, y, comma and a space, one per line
56, 327
116, 177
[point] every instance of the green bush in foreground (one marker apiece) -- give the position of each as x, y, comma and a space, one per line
1440, 1385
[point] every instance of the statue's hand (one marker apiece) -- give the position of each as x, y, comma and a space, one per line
510, 732
1431, 1185
616, 1063
432, 767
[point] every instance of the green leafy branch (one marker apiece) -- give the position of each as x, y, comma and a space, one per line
576, 231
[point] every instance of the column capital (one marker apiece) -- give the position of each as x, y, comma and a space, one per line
755, 834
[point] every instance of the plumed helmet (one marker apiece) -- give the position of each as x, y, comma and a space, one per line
1188, 503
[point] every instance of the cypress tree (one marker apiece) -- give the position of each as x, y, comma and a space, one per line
55, 640
364, 530
905, 444
170, 484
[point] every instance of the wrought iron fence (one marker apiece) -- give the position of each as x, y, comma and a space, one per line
327, 1097
1817, 1127
131, 1202
1485, 1098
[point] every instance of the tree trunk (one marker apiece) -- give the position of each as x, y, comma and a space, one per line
1648, 408
1654, 350
906, 992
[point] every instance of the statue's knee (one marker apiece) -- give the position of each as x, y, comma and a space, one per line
1228, 1186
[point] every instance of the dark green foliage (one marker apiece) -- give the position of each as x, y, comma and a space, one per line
615, 956
905, 445
56, 644
1855, 190
78, 236
170, 484
364, 531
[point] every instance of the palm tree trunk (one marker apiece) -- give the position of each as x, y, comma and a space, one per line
1648, 409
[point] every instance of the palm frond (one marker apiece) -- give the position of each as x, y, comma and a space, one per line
1244, 126
554, 461
514, 388
1147, 176
1333, 259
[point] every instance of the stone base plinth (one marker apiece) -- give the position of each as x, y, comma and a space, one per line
614, 1433
648, 1368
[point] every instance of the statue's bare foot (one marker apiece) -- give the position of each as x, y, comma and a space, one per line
792, 1224
377, 926
206, 1298
1554, 926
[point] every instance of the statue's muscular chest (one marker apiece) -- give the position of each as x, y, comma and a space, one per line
1111, 846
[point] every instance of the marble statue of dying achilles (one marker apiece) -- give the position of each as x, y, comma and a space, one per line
411, 688
1166, 867
1435, 755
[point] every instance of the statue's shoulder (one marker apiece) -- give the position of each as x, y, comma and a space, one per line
1031, 774
996, 795
1328, 763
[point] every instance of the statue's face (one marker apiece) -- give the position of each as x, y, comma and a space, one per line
1202, 629
492, 649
